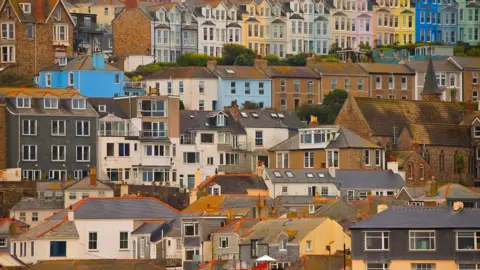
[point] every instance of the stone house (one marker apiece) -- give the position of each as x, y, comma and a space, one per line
38, 34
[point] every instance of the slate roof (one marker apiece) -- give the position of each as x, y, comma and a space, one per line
434, 134
278, 21
53, 185
195, 120
266, 120
5, 226
369, 179
339, 211
430, 85
241, 72
382, 115
50, 229
450, 192
239, 226
37, 204
321, 19
181, 72
415, 192
84, 184
442, 65
235, 183
234, 25
334, 262
84, 62
300, 176
466, 62
120, 208
369, 205
291, 72
112, 107
104, 264
296, 17
380, 68
327, 68
422, 218
148, 227
48, 7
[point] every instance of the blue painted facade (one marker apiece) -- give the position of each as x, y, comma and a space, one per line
436, 20
226, 94
90, 76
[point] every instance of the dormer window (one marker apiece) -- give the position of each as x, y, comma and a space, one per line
311, 209
476, 132
215, 190
79, 104
102, 108
50, 103
283, 244
220, 120
26, 8
23, 102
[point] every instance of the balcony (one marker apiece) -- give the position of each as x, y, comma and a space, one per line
242, 146
153, 134
156, 161
134, 85
117, 133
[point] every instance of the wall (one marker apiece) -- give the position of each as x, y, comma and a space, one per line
225, 253
12, 192
225, 97
385, 92
329, 232
79, 193
407, 264
116, 161
301, 189
468, 86
42, 215
351, 117
271, 137
289, 95
7, 240
42, 250
446, 96
127, 22
3, 136
296, 159
327, 84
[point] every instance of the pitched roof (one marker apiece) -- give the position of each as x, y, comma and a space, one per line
449, 191
369, 179
199, 121
84, 184
37, 204
369, 205
180, 73
239, 226
235, 183
382, 115
53, 185
349, 139
50, 229
269, 119
293, 200
148, 227
120, 208
300, 176
5, 225
291, 72
381, 68
111, 106
104, 264
442, 65
327, 68
84, 62
466, 62
434, 134
35, 92
334, 262
9, 261
241, 72
422, 218
430, 85
338, 210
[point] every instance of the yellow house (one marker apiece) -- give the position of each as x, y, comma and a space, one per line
405, 28
256, 29
104, 9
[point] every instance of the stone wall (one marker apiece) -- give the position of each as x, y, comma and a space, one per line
3, 136
131, 33
12, 192
448, 174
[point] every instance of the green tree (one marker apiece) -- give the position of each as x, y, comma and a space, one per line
327, 111
297, 60
475, 52
272, 59
182, 106
192, 59
232, 51
244, 59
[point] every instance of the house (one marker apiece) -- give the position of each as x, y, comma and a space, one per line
55, 131
348, 76
373, 205
300, 182
242, 84
168, 248
467, 24
326, 146
212, 142
3, 133
88, 73
470, 71
390, 81
334, 261
113, 264
303, 205
196, 86
286, 240
341, 211
219, 184
33, 211
448, 76
86, 188
37, 35
90, 36
394, 23
86, 229
416, 238
155, 238
105, 10
9, 227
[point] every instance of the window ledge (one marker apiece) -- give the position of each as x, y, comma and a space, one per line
93, 250
123, 250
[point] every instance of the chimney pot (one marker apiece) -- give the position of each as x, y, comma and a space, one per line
131, 4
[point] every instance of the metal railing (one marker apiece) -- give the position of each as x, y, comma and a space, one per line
154, 134
242, 146
134, 85
117, 133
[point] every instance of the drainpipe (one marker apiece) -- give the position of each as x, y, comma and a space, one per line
19, 136
154, 40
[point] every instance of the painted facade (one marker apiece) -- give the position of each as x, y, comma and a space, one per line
468, 22
394, 22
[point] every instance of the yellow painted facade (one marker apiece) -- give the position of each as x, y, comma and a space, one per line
255, 26
105, 12
407, 264
329, 232
405, 14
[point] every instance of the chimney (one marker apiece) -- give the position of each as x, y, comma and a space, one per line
381, 207
93, 177
457, 206
131, 4
123, 189
198, 178
331, 171
12, 228
392, 164
98, 60
261, 210
312, 60
313, 121
432, 188
71, 214
39, 9
233, 109
212, 65
260, 63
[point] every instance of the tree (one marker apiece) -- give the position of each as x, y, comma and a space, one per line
272, 59
326, 112
232, 51
297, 60
192, 59
475, 52
244, 59
182, 106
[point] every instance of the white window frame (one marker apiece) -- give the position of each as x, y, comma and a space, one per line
384, 266
26, 7
383, 237
410, 237
30, 156
29, 131
195, 231
84, 132
58, 32
120, 239
283, 244
23, 99
220, 120
58, 147
197, 158
378, 158
258, 139
10, 27
223, 240
333, 159
77, 174
367, 157
59, 123
51, 174
423, 266
404, 83
476, 237
53, 103
475, 78
82, 147
48, 79
378, 84
308, 157
9, 54
102, 108
78, 102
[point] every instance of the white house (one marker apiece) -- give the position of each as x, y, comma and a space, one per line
196, 86
95, 228
85, 188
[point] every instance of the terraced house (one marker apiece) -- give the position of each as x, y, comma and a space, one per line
468, 21
395, 22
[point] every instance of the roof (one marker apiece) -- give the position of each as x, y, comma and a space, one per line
35, 92
37, 204
6, 222
449, 191
104, 264
382, 115
235, 183
338, 210
48, 7
84, 184
120, 208
334, 262
430, 85
241, 72
415, 192
300, 176
199, 120
84, 62
369, 205
442, 65
466, 62
215, 265
422, 218
7, 260
293, 200
291, 72
148, 227
111, 107
269, 119
327, 68
387, 68
239, 226
50, 229
435, 134
181, 73
53, 185
369, 179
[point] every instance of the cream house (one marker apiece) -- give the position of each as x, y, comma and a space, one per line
104, 9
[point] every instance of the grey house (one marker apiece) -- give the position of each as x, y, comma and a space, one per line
10, 227
51, 134
419, 238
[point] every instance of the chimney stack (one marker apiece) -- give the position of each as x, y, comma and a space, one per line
93, 177
313, 122
212, 65
71, 214
260, 63
457, 206
381, 208
331, 171
131, 4
39, 9
12, 228
123, 189
392, 164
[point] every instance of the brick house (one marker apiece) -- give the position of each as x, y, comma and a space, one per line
37, 34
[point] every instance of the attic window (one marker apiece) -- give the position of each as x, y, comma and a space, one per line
230, 71
289, 174
311, 209
244, 114
220, 120
58, 14
280, 115
62, 61
254, 114
277, 174
274, 115
26, 7
102, 108
321, 175
310, 175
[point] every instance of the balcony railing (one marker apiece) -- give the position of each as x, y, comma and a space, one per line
117, 133
154, 134
242, 146
134, 85
150, 113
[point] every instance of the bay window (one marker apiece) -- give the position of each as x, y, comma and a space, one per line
60, 32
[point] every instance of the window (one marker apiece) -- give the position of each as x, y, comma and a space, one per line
60, 33
58, 152
22, 216
309, 245
308, 158
117, 78
29, 152
79, 104
422, 172
423, 266
468, 240
261, 88
282, 160
206, 138
29, 127
377, 240
378, 82
220, 120
31, 31
124, 149
201, 87
229, 159
347, 84
223, 242
334, 83
247, 88
123, 240
367, 157
360, 84
422, 240
3, 242
324, 191
82, 128
50, 103
377, 266
258, 138
26, 7
441, 161
296, 86
58, 248
180, 86
8, 53
283, 244
377, 158
233, 88
23, 102
285, 189
92, 241
190, 229
58, 128
474, 77
8, 31
83, 153
332, 159
191, 157
72, 196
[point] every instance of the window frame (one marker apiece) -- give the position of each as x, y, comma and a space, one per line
92, 241
29, 133
429, 237
383, 237
83, 147
123, 241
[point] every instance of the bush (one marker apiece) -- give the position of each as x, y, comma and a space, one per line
13, 79
475, 52
232, 51
244, 59
326, 112
272, 59
297, 60
193, 59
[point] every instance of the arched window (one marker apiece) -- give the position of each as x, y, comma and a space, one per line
410, 170
422, 172
441, 161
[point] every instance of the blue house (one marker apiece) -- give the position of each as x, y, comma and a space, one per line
89, 74
427, 20
448, 27
243, 84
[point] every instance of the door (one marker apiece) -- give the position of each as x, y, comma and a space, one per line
264, 160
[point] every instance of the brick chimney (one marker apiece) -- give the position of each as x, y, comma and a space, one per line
260, 63
70, 214
93, 177
212, 65
233, 109
392, 164
39, 9
313, 122
131, 4
123, 189
12, 228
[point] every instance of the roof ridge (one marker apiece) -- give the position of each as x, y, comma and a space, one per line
52, 228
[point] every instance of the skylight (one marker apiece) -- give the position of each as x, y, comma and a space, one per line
289, 174
206, 124
321, 175
273, 114
244, 114
191, 116
280, 115
277, 174
310, 175
230, 71
254, 114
